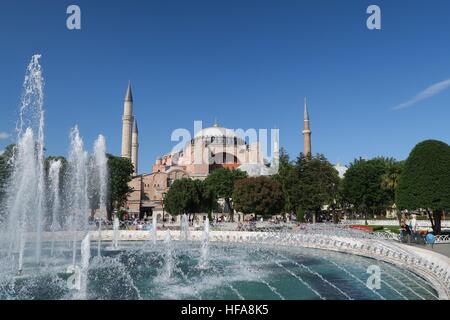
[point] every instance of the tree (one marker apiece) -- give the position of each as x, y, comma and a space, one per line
425, 181
287, 176
120, 171
258, 195
317, 183
362, 186
181, 197
221, 183
389, 181
308, 184
187, 196
207, 201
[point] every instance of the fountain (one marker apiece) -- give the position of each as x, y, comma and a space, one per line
25, 194
38, 193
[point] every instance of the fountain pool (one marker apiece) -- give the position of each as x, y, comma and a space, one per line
234, 271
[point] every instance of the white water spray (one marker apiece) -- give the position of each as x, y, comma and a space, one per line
25, 197
116, 233
99, 242
184, 228
78, 186
54, 179
169, 262
154, 228
85, 256
204, 250
101, 166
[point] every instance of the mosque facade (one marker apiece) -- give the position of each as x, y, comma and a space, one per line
210, 148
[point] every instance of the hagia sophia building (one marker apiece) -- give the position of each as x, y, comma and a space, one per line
211, 148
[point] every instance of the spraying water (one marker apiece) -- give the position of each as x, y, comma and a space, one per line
184, 228
204, 250
25, 197
154, 228
116, 233
101, 165
99, 242
78, 186
85, 256
54, 177
168, 257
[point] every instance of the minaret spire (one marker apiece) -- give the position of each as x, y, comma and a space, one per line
305, 112
127, 123
129, 94
276, 148
306, 132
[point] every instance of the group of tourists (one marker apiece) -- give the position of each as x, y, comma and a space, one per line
410, 232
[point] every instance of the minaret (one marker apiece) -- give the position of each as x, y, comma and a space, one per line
127, 123
134, 147
276, 148
306, 132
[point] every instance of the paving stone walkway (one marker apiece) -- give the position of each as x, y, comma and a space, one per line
439, 248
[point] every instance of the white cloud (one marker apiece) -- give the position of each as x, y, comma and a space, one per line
425, 94
4, 135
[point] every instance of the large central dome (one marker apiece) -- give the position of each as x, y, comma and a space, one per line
215, 131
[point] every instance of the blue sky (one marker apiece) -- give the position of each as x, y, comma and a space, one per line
247, 62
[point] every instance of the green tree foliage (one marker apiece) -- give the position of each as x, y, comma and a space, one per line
187, 196
258, 195
120, 171
221, 183
362, 186
180, 197
425, 181
300, 215
390, 179
287, 176
207, 200
308, 183
318, 183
